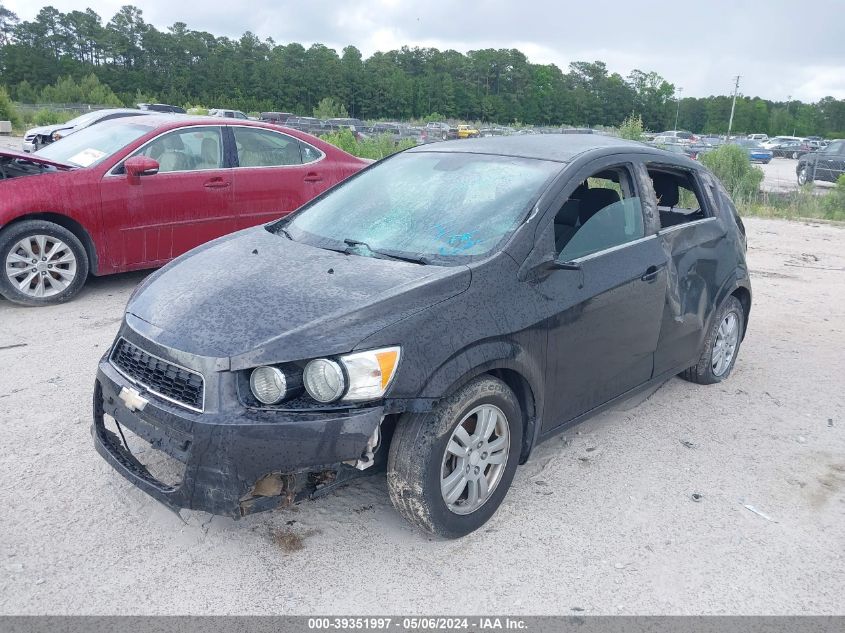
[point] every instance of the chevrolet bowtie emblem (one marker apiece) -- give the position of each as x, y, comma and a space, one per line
132, 399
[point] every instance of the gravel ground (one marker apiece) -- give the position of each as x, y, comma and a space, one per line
11, 142
600, 519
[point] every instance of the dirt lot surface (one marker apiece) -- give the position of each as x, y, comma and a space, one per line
601, 519
11, 142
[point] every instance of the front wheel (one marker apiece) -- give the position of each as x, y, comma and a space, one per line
449, 470
43, 263
804, 176
721, 345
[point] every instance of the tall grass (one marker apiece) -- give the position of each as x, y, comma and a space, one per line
8, 111
803, 203
47, 116
374, 147
730, 164
632, 128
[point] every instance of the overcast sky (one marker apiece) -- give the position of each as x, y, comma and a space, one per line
780, 48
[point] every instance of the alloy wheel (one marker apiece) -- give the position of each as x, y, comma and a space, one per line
475, 459
40, 266
724, 347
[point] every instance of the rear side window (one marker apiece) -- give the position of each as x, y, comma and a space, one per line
309, 153
679, 196
263, 148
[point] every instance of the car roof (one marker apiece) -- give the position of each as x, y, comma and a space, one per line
161, 121
561, 148
105, 111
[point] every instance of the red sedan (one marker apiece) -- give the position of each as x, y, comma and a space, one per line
135, 193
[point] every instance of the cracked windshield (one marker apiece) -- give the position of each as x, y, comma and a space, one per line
439, 206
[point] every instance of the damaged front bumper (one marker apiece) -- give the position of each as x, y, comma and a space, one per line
231, 461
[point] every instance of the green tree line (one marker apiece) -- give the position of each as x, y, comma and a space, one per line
134, 61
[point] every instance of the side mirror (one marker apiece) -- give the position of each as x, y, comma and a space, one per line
138, 166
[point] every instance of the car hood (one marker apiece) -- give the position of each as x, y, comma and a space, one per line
33, 158
46, 130
255, 297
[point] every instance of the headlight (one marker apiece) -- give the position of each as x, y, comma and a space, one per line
324, 380
370, 372
268, 384
356, 377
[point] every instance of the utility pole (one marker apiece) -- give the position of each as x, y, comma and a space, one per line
678, 109
788, 101
733, 106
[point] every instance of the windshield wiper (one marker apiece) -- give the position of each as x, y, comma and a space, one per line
385, 254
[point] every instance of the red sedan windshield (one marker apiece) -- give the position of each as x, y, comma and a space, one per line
91, 145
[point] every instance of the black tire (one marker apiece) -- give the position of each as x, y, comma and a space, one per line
804, 176
14, 234
702, 372
417, 452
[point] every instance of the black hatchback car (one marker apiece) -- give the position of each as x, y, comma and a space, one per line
441, 312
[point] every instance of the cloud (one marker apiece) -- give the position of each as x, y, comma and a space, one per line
698, 46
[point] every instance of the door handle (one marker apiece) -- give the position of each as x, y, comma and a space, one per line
651, 273
215, 183
313, 176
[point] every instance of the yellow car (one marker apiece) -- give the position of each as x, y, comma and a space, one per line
467, 131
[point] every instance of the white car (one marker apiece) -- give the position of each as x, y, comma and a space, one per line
758, 137
679, 136
37, 137
780, 140
227, 114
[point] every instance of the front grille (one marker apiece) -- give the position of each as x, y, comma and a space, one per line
174, 383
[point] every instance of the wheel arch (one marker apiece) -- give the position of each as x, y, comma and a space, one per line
743, 294
527, 403
71, 225
508, 362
